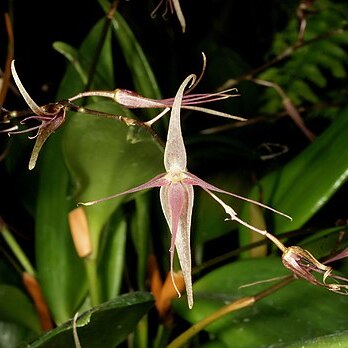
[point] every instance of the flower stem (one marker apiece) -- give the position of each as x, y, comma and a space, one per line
161, 339
141, 333
232, 307
92, 279
17, 251
194, 329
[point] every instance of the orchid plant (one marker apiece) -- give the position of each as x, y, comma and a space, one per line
176, 184
53, 115
177, 195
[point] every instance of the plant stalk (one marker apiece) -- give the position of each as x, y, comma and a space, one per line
92, 279
17, 251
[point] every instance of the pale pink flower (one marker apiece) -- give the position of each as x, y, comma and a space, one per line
176, 193
133, 100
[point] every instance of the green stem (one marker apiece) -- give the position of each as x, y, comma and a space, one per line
161, 339
17, 251
232, 307
92, 279
194, 329
141, 333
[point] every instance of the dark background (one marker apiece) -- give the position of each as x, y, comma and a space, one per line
38, 24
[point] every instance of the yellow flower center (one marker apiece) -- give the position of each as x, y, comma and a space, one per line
176, 176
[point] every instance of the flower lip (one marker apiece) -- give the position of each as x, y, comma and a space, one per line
176, 176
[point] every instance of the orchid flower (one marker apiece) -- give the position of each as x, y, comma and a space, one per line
177, 195
51, 117
133, 100
302, 263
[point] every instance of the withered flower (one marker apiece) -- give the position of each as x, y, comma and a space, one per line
51, 117
304, 265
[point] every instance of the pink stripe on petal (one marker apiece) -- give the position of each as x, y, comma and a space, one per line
182, 234
157, 181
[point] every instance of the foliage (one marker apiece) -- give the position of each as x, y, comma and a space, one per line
289, 63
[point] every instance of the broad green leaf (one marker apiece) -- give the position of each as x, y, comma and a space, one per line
104, 160
14, 335
209, 216
293, 314
60, 271
335, 340
15, 307
141, 235
214, 344
307, 182
112, 255
326, 242
106, 325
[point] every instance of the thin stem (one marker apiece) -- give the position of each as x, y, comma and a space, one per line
141, 336
232, 307
194, 329
76, 337
126, 120
162, 335
224, 257
289, 279
17, 251
93, 281
10, 54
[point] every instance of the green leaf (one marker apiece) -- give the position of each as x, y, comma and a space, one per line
335, 66
292, 188
113, 250
209, 217
314, 74
60, 270
81, 60
14, 335
335, 340
16, 307
141, 236
299, 87
143, 78
295, 313
72, 55
103, 161
325, 242
106, 325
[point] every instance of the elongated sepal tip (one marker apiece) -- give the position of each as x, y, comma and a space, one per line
84, 204
31, 164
